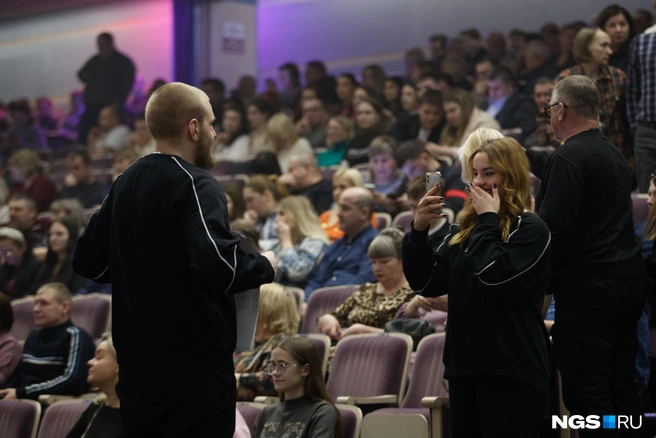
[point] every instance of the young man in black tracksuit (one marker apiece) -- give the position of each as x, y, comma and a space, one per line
599, 282
162, 237
55, 355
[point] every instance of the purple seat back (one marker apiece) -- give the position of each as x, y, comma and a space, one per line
403, 221
23, 318
351, 419
535, 185
250, 413
428, 372
91, 313
61, 417
640, 209
322, 301
19, 418
383, 220
322, 344
367, 366
328, 172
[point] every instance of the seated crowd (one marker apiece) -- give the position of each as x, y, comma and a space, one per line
313, 174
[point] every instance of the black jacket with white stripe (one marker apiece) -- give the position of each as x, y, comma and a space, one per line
496, 290
162, 237
54, 362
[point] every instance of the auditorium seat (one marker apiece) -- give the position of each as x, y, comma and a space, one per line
92, 313
250, 411
351, 420
60, 418
427, 385
322, 344
640, 207
383, 220
370, 371
19, 418
324, 300
23, 318
403, 221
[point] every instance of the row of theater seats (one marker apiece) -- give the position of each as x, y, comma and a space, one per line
90, 312
22, 418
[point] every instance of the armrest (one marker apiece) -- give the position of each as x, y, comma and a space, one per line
376, 400
50, 399
266, 399
434, 402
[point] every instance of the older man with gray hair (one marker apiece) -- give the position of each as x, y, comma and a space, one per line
599, 281
306, 179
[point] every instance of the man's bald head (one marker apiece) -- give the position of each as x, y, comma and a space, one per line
172, 107
356, 205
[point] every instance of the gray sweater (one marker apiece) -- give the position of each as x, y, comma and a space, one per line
297, 418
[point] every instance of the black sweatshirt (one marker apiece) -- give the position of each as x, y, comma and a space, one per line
496, 290
54, 362
162, 237
585, 199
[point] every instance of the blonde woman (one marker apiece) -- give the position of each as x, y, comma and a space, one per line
343, 179
301, 243
30, 179
277, 319
474, 141
285, 140
495, 267
374, 304
462, 119
103, 418
338, 135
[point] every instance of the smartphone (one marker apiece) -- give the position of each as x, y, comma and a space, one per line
433, 179
370, 186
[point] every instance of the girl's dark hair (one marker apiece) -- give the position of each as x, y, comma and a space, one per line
262, 104
350, 77
243, 126
395, 105
236, 194
611, 11
381, 126
6, 314
294, 74
47, 272
305, 353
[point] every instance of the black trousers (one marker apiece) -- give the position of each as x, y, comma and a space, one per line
88, 120
176, 403
594, 347
495, 406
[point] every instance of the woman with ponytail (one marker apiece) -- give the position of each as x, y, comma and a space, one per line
495, 268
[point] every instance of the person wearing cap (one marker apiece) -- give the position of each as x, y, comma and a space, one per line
18, 267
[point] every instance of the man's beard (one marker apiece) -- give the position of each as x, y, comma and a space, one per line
204, 158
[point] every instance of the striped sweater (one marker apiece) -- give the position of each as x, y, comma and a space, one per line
54, 362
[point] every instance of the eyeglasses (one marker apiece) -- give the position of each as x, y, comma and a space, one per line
280, 368
547, 109
5, 253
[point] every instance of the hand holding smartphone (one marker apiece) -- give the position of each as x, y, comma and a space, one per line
434, 179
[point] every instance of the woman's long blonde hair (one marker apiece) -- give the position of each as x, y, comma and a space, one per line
650, 226
307, 221
506, 156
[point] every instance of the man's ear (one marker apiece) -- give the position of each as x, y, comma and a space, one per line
193, 128
67, 307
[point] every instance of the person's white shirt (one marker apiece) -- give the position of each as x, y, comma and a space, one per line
115, 138
301, 146
238, 150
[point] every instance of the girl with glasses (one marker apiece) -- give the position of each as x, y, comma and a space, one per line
305, 406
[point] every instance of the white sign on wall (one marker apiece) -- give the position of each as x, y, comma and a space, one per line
234, 37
